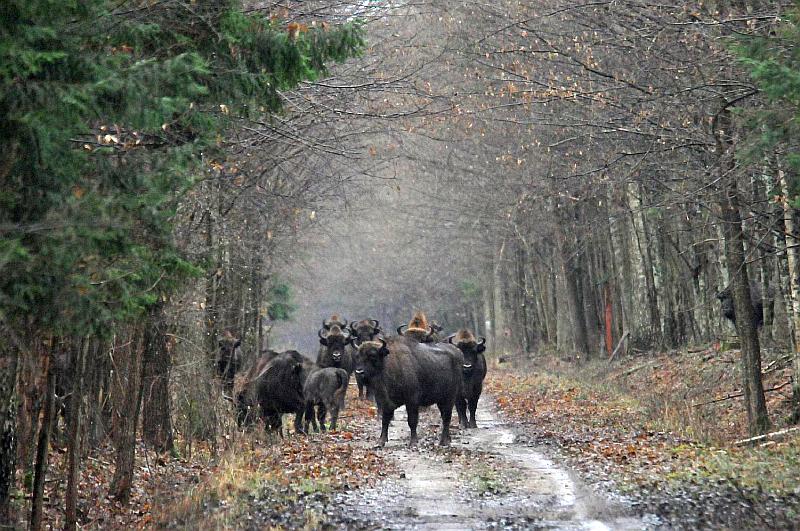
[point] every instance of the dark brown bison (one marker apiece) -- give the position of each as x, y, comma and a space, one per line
363, 330
334, 352
325, 389
474, 369
229, 359
725, 298
275, 385
402, 371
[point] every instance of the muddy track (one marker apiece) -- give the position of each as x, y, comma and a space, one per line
486, 480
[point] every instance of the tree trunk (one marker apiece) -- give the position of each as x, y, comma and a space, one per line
755, 402
794, 293
156, 367
43, 447
574, 303
128, 393
9, 356
74, 434
525, 330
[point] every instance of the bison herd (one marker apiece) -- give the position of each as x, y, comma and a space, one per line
415, 368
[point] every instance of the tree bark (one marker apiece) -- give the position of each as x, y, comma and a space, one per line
574, 303
43, 447
755, 402
9, 357
128, 392
794, 293
74, 434
156, 368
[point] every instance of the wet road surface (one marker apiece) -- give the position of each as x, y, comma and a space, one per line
485, 480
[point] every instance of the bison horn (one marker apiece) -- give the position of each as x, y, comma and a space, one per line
450, 338
482, 341
383, 343
352, 326
400, 329
326, 324
356, 343
346, 335
321, 336
375, 324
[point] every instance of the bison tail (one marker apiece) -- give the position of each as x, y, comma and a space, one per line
341, 389
342, 378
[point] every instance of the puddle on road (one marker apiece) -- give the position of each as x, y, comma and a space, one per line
525, 490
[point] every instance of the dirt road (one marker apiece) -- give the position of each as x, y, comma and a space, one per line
486, 480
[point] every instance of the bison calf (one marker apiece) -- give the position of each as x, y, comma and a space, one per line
325, 389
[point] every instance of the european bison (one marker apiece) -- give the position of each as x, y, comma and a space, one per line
333, 352
275, 384
474, 369
404, 372
364, 330
325, 389
229, 360
417, 329
725, 298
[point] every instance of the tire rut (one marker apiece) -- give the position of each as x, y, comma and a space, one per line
485, 480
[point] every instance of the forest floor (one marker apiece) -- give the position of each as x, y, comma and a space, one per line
662, 431
642, 442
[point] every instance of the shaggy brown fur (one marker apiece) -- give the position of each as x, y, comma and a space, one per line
418, 327
334, 320
464, 336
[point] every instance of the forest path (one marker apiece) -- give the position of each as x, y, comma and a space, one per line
485, 480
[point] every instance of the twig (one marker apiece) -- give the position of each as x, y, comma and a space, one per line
774, 436
616, 349
737, 395
640, 367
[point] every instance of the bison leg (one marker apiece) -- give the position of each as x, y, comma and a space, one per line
413, 420
386, 418
461, 408
298, 421
334, 409
309, 419
321, 412
446, 410
361, 387
273, 422
473, 405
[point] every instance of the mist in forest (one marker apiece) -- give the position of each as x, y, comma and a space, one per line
210, 180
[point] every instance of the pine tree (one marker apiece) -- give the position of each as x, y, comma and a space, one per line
107, 111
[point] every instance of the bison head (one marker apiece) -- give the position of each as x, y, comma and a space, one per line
335, 340
369, 357
365, 329
469, 346
228, 357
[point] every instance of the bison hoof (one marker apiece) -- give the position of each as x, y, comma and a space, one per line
473, 424
444, 442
